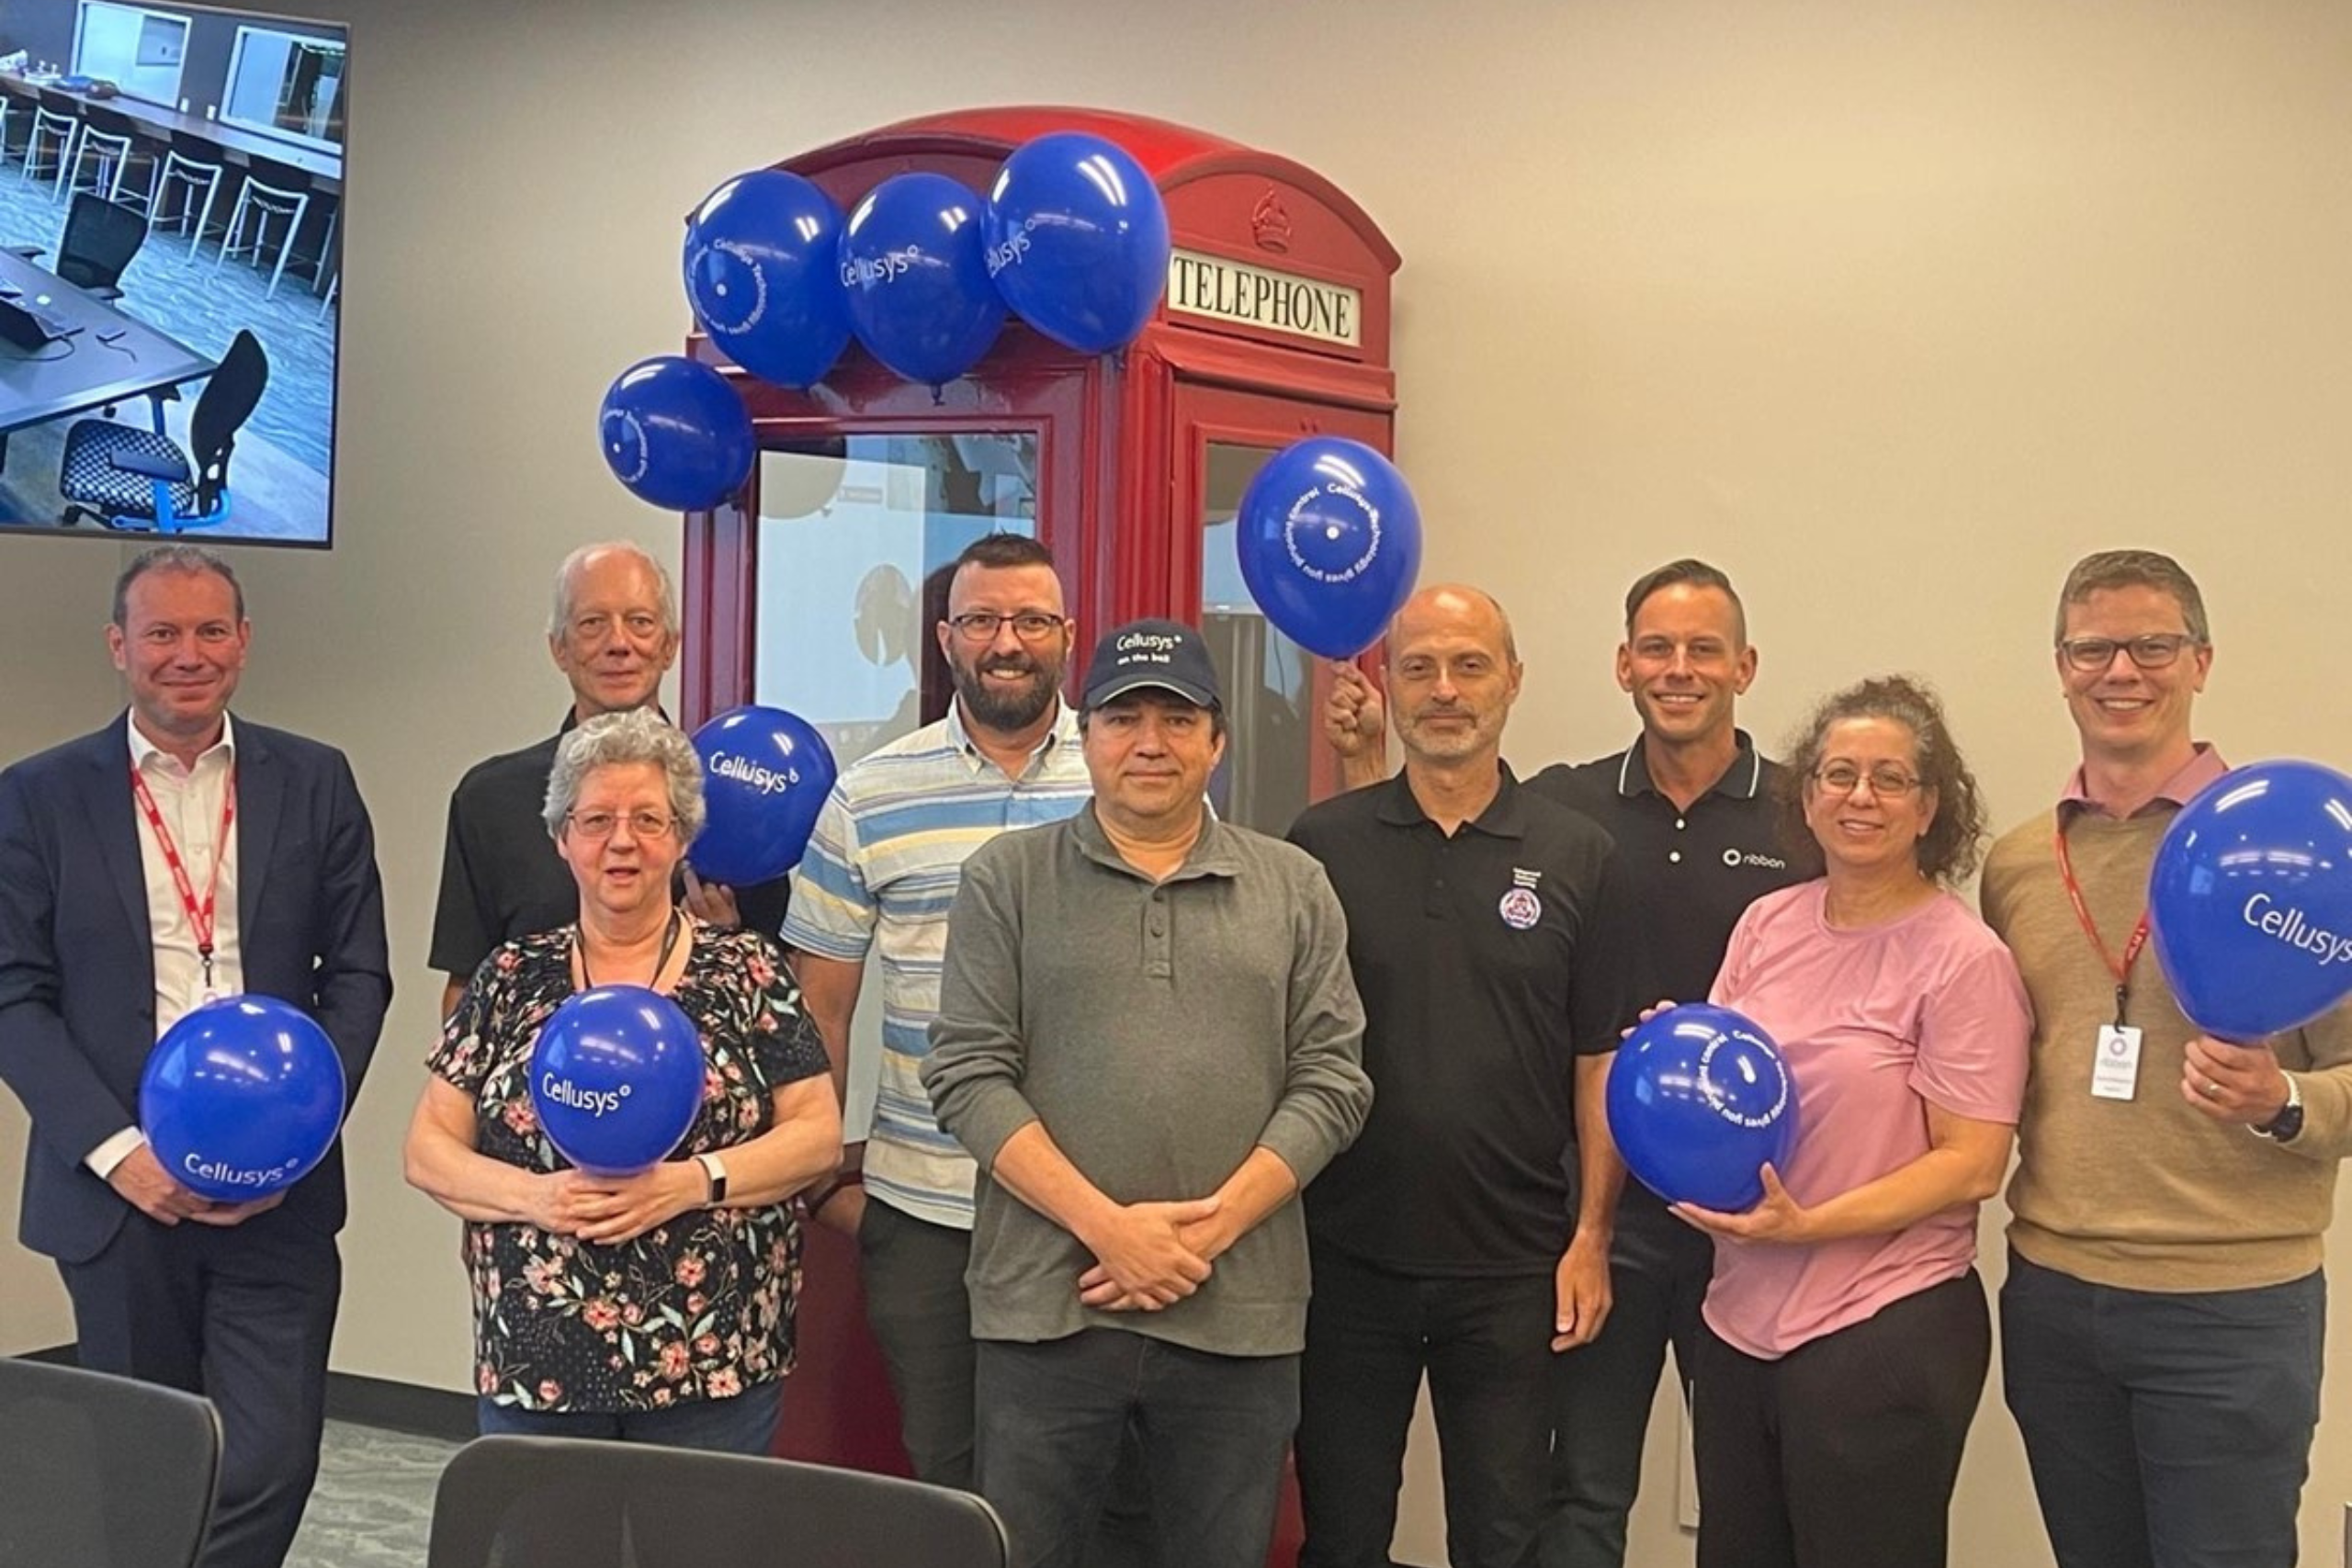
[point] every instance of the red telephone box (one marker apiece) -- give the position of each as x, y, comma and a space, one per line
814, 592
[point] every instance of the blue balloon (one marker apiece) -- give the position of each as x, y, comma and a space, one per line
242, 1098
616, 1076
760, 263
1330, 542
675, 434
765, 773
914, 266
1077, 239
1699, 1101
2250, 900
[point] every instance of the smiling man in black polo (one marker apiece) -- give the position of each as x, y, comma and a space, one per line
1489, 934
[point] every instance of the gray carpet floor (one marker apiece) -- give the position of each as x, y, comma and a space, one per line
373, 1505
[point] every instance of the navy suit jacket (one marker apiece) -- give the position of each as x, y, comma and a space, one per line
77, 969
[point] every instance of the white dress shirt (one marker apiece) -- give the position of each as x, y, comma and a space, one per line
189, 801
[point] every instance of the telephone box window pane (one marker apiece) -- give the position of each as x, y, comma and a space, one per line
851, 531
1268, 679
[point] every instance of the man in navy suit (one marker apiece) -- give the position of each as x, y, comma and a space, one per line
179, 854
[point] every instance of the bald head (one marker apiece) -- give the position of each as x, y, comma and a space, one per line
1453, 676
1456, 607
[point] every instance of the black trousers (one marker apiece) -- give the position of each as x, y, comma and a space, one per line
1842, 1453
1486, 1347
243, 1316
1658, 1269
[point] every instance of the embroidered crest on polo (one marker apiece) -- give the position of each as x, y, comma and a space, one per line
1520, 908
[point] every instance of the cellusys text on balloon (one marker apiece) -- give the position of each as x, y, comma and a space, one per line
2292, 926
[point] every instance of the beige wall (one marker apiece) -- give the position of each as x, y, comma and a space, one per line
1894, 310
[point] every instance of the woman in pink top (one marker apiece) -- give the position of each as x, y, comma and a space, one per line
1849, 1333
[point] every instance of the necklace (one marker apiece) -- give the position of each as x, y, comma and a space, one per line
661, 962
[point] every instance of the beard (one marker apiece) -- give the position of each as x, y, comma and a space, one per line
1005, 708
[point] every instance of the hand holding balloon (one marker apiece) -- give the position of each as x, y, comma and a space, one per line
1777, 1218
2242, 1085
1355, 718
611, 1210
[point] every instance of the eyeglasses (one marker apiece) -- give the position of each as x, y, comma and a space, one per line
1887, 782
598, 825
2151, 652
981, 626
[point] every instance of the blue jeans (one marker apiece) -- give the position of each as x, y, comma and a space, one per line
1212, 1430
743, 1425
2165, 1429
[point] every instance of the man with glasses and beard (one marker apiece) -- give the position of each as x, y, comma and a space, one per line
881, 870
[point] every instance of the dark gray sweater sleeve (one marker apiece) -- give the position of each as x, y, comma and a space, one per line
974, 1070
1326, 1092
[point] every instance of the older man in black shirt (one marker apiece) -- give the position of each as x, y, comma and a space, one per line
613, 635
1491, 934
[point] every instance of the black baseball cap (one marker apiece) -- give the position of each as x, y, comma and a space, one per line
1166, 656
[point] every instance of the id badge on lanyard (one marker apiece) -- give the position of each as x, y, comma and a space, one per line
2115, 1055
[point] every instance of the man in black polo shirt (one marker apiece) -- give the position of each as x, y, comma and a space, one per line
614, 634
1691, 807
1490, 935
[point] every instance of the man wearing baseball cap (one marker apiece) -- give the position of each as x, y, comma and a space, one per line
1149, 1040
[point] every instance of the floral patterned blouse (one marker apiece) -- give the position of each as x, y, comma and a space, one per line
699, 1308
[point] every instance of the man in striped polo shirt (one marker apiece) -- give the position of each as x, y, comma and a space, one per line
881, 870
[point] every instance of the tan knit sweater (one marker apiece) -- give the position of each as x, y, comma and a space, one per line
2147, 1193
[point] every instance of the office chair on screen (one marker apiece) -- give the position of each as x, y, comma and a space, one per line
128, 477
570, 1503
103, 1471
99, 239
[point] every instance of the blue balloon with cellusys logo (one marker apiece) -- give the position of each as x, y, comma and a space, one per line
1077, 239
242, 1098
1330, 542
914, 268
1700, 1100
765, 773
675, 434
616, 1078
2250, 900
762, 278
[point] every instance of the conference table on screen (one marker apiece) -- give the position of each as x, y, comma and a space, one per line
113, 358
325, 169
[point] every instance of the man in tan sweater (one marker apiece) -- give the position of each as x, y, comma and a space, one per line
2162, 1319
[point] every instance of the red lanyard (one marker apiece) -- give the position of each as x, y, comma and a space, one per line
2122, 971
199, 916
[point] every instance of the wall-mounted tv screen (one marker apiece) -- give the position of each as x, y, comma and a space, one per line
171, 204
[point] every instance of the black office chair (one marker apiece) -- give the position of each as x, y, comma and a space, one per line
96, 244
570, 1503
101, 1472
130, 477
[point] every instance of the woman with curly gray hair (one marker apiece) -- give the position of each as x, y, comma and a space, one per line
1848, 1332
656, 1307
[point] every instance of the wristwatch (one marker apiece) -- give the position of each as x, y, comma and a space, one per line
2288, 1124
718, 1175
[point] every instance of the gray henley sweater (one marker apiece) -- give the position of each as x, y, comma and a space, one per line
1160, 1032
